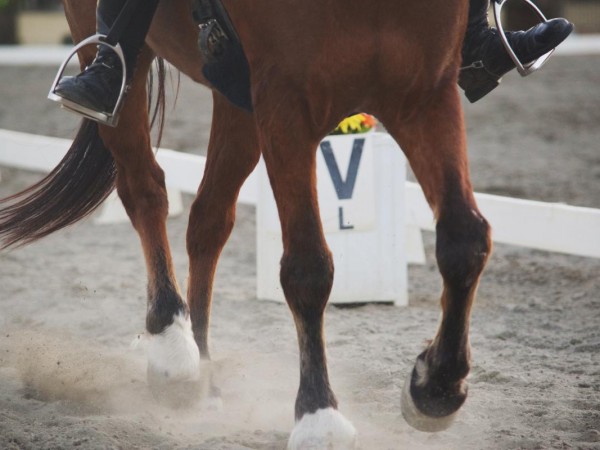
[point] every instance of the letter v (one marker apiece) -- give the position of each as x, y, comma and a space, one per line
343, 189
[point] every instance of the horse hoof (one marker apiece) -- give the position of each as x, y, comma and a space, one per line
326, 429
176, 376
416, 419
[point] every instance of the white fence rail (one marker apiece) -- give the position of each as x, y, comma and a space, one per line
554, 227
539, 225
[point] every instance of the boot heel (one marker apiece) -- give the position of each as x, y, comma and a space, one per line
481, 90
477, 82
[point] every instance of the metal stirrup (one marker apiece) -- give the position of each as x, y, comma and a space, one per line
109, 119
523, 69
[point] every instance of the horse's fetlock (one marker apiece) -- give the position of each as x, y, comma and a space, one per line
164, 304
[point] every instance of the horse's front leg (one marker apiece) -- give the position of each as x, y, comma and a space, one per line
306, 269
233, 153
173, 357
435, 144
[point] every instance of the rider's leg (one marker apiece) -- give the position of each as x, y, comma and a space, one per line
99, 85
485, 59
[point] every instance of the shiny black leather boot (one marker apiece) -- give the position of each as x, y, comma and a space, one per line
97, 88
485, 59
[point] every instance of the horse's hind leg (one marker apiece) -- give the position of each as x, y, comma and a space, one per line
233, 153
306, 273
173, 357
435, 145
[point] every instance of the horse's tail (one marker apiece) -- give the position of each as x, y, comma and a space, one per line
80, 182
73, 190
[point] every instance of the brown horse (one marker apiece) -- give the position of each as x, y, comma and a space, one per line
312, 63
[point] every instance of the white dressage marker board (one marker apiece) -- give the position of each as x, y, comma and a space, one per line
360, 183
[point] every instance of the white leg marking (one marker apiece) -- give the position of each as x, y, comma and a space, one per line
326, 429
173, 354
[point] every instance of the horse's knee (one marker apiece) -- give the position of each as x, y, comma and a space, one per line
462, 248
146, 193
306, 279
208, 228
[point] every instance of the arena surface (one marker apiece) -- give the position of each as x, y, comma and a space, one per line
72, 303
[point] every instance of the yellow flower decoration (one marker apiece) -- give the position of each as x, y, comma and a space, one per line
358, 123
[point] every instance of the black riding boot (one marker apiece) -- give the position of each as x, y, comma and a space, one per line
484, 58
99, 85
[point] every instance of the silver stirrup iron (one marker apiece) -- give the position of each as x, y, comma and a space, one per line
523, 69
109, 119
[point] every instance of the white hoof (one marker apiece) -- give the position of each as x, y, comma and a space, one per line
174, 367
417, 419
173, 353
326, 429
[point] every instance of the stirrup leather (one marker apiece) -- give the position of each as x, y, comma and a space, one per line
109, 119
523, 69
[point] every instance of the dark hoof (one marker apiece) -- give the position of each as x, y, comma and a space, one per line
427, 409
419, 421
